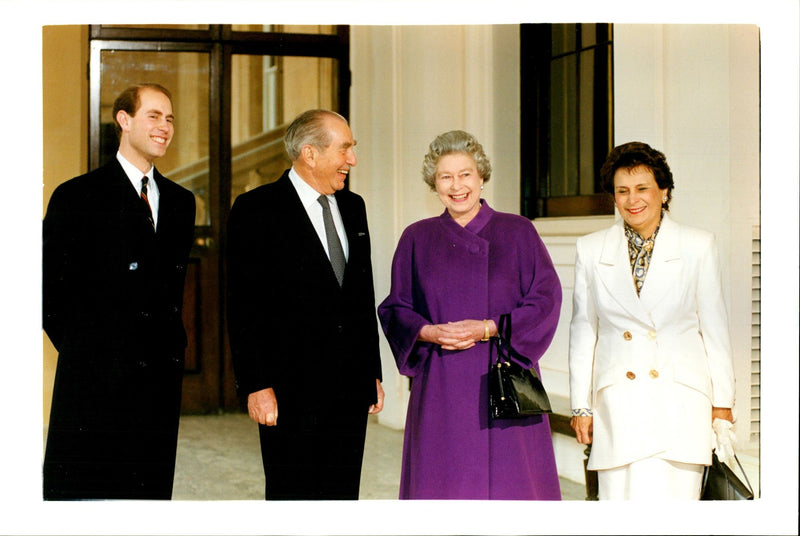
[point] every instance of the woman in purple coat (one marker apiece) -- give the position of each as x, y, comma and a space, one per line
453, 276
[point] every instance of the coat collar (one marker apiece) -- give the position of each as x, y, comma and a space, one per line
476, 224
167, 202
117, 183
665, 266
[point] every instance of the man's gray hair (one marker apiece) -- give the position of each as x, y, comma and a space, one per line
308, 128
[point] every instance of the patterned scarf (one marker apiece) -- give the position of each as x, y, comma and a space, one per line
640, 252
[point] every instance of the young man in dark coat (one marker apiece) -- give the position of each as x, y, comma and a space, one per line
116, 245
301, 316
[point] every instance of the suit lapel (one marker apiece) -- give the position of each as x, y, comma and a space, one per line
665, 265
119, 181
356, 230
166, 203
614, 271
296, 218
132, 211
351, 227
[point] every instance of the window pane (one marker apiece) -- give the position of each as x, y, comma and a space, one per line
567, 118
586, 123
279, 28
253, 95
588, 35
563, 38
267, 93
159, 26
265, 28
185, 75
563, 128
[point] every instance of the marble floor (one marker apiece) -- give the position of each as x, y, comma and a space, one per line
219, 458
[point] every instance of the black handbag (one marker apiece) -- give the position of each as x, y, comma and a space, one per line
720, 483
514, 392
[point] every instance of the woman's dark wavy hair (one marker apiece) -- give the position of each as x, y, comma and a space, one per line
634, 154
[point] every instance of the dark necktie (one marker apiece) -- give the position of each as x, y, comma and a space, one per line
334, 245
146, 202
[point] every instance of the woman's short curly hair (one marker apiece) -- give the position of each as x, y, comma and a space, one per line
634, 154
455, 141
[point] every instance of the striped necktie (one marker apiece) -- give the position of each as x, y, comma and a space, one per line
146, 202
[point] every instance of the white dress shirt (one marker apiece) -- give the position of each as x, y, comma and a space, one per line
135, 176
309, 196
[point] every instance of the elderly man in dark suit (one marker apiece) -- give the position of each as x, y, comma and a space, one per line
301, 315
116, 244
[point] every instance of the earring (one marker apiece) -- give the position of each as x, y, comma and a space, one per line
481, 186
664, 199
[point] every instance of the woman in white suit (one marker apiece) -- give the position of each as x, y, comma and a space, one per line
649, 355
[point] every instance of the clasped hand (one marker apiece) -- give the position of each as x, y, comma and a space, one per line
459, 335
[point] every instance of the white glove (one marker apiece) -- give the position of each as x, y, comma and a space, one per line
723, 439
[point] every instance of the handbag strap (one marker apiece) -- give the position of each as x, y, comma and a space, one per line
504, 336
504, 343
500, 343
735, 457
504, 329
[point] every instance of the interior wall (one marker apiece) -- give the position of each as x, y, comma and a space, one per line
65, 55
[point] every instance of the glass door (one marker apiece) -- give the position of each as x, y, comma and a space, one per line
186, 74
234, 89
267, 92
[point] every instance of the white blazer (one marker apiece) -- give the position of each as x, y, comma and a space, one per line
650, 367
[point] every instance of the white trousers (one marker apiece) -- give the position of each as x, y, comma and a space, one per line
651, 479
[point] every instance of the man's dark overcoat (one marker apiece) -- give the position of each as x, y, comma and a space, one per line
292, 328
112, 304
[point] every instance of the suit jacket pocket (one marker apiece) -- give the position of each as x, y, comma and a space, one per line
604, 377
691, 369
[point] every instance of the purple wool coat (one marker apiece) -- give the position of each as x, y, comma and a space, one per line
443, 272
